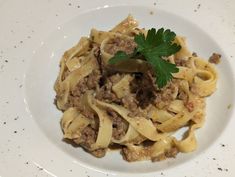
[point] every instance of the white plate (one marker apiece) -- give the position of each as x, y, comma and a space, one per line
31, 136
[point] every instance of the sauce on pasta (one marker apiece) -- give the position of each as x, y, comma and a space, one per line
103, 106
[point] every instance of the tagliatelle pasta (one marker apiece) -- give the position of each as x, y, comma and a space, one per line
106, 105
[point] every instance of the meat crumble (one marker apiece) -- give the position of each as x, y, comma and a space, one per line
215, 58
119, 44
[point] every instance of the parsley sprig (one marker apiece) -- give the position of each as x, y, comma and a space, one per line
153, 48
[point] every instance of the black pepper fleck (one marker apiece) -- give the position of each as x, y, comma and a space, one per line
198, 6
70, 170
222, 145
20, 85
78, 6
214, 158
21, 42
220, 169
26, 163
16, 118
6, 61
70, 4
15, 131
4, 123
226, 169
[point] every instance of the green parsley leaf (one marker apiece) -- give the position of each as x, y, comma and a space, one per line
154, 38
163, 69
119, 56
140, 40
163, 50
155, 46
166, 36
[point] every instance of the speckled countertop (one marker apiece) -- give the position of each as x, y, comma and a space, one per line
26, 23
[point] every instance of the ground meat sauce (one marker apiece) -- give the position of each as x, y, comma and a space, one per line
88, 83
88, 137
165, 95
105, 93
130, 102
99, 152
215, 58
182, 96
120, 44
171, 153
181, 62
194, 54
130, 155
143, 86
143, 93
120, 126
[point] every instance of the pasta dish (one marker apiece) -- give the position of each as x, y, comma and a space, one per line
132, 89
